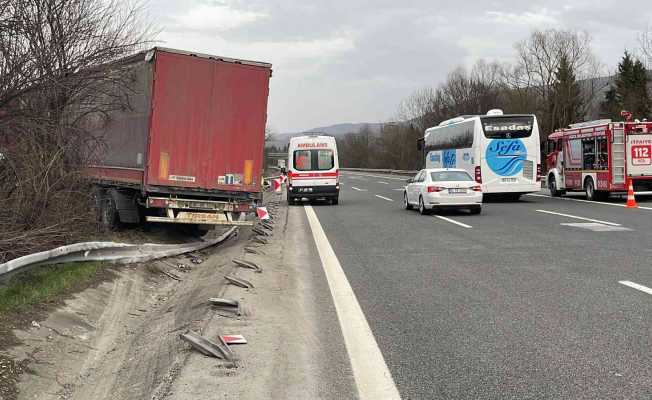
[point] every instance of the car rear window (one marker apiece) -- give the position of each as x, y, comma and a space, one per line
448, 176
314, 160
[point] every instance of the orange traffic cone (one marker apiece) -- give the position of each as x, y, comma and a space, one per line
631, 200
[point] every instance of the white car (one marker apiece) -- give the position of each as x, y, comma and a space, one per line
437, 188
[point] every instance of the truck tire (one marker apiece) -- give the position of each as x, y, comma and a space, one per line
589, 189
109, 213
552, 186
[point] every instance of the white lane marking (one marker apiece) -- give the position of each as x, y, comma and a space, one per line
372, 377
636, 286
576, 217
452, 221
377, 176
585, 201
596, 227
384, 183
399, 189
383, 197
358, 189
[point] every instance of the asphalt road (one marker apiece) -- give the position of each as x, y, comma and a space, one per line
514, 305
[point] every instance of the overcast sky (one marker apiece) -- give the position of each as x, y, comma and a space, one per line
354, 60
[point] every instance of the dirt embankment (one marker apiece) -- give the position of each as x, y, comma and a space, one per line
119, 340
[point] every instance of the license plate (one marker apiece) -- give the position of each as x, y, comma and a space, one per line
509, 180
456, 191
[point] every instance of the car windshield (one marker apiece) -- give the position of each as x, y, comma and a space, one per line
447, 176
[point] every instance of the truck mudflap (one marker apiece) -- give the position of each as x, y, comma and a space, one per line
205, 218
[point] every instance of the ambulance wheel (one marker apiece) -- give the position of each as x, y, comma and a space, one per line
335, 200
475, 210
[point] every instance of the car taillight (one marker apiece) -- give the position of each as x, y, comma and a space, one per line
477, 188
432, 189
478, 174
538, 172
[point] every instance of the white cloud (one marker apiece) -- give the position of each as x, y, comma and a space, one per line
534, 19
218, 18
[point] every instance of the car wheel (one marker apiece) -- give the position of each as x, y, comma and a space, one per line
552, 186
476, 210
422, 207
406, 203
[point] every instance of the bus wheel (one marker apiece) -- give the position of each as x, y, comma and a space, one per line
552, 186
589, 188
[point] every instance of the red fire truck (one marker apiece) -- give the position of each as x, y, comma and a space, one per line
599, 157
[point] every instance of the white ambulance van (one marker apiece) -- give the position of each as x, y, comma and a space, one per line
313, 169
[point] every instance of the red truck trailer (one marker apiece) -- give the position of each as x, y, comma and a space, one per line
190, 148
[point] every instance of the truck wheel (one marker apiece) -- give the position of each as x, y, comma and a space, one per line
589, 188
109, 213
552, 186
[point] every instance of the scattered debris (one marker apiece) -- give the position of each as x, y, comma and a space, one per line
260, 239
234, 339
260, 231
226, 304
196, 260
171, 275
248, 264
252, 250
207, 347
36, 325
239, 282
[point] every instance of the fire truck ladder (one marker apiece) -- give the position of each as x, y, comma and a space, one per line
618, 156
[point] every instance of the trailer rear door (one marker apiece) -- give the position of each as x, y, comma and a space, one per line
208, 123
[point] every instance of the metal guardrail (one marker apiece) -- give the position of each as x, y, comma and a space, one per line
119, 253
382, 171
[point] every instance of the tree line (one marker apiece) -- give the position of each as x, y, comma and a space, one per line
555, 75
58, 77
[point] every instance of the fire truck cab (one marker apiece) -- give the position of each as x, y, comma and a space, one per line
599, 157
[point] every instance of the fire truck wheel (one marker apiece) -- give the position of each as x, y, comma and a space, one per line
552, 185
589, 188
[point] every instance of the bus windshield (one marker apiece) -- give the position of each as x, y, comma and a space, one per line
509, 127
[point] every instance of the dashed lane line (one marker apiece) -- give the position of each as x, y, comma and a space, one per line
383, 197
636, 286
377, 176
577, 217
372, 377
452, 221
384, 183
585, 201
358, 189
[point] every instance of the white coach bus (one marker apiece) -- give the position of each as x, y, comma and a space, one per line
501, 151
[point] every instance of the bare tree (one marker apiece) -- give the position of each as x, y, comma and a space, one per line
60, 79
645, 42
539, 58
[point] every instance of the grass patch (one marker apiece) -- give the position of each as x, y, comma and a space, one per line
45, 283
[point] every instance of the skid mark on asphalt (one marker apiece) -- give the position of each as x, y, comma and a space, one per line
372, 377
636, 286
578, 217
452, 221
